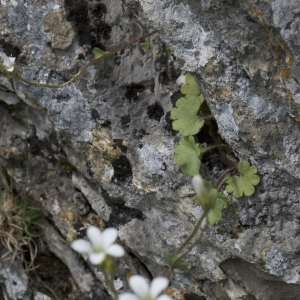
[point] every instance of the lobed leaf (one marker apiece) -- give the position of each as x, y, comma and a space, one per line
191, 86
185, 115
245, 182
187, 155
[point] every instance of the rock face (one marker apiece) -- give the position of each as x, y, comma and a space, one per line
100, 150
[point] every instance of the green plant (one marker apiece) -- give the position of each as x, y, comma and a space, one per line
188, 155
244, 183
187, 120
18, 225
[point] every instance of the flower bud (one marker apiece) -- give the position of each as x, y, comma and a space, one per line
198, 184
180, 80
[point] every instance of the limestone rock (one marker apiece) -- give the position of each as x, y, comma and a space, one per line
100, 150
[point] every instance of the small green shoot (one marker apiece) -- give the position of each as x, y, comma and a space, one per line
98, 53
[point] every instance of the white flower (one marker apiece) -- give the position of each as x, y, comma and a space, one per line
198, 184
145, 291
100, 245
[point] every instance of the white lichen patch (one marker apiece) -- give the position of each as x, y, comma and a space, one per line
180, 28
227, 122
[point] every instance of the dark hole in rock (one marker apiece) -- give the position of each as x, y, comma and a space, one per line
155, 111
103, 31
106, 124
88, 21
139, 133
122, 169
94, 114
99, 10
164, 166
77, 13
9, 49
121, 214
208, 133
81, 56
175, 97
133, 91
125, 120
168, 123
63, 97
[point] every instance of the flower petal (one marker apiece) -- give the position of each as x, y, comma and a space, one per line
108, 237
164, 297
158, 284
97, 258
139, 285
115, 250
128, 296
81, 246
94, 235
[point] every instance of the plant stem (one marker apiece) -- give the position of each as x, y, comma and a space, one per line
110, 283
77, 75
185, 244
223, 177
210, 148
189, 248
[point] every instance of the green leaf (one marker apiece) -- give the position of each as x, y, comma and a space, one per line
98, 53
188, 154
185, 115
243, 184
208, 198
215, 213
190, 87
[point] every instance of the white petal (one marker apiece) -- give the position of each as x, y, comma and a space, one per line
115, 250
158, 285
139, 285
96, 258
109, 236
94, 235
164, 297
81, 246
128, 296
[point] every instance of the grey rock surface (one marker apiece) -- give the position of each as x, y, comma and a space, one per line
100, 150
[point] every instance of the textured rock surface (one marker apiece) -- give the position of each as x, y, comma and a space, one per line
100, 150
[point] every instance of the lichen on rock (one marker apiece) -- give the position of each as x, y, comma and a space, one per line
101, 150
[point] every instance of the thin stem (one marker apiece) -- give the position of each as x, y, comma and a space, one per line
110, 53
189, 248
178, 254
110, 283
49, 85
223, 178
